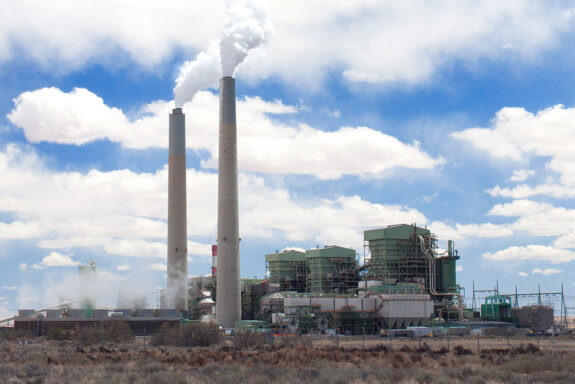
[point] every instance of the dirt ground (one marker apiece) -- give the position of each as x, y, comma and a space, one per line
560, 343
294, 360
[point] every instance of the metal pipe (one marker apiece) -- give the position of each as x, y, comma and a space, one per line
177, 292
228, 301
431, 259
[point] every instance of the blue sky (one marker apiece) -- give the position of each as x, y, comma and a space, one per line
351, 115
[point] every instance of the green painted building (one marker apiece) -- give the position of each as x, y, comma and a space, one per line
331, 269
288, 269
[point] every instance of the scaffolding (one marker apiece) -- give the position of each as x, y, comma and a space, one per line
288, 269
408, 255
331, 269
320, 316
252, 291
351, 322
396, 255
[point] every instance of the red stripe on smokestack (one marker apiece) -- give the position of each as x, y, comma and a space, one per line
214, 260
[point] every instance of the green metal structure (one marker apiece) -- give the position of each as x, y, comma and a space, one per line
496, 308
331, 269
397, 255
408, 255
446, 270
289, 269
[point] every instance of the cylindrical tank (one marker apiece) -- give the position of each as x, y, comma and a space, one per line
438, 275
177, 292
228, 302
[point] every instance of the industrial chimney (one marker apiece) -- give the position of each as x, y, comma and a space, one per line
228, 299
214, 260
177, 292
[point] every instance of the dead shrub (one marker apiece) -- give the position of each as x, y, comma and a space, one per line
525, 350
58, 334
398, 360
197, 334
116, 331
459, 350
248, 339
202, 334
87, 335
296, 341
416, 357
119, 332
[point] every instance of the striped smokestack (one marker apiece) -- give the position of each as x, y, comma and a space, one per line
177, 292
228, 302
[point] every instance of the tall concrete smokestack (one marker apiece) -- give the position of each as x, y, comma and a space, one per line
177, 292
228, 300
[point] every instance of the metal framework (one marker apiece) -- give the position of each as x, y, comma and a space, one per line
409, 254
331, 275
537, 298
330, 269
290, 275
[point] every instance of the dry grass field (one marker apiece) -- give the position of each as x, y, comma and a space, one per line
290, 360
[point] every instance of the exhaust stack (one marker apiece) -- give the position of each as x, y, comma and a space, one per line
228, 302
177, 292
214, 260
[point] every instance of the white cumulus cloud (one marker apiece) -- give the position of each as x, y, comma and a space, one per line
532, 252
123, 213
56, 259
264, 145
374, 41
400, 43
516, 134
547, 271
521, 174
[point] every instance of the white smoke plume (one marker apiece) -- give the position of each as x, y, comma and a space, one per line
197, 74
247, 27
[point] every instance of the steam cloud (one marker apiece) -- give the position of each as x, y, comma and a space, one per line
197, 74
246, 27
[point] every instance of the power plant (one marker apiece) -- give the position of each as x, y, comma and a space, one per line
403, 282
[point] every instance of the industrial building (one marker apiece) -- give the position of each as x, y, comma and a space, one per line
404, 259
330, 269
404, 280
142, 322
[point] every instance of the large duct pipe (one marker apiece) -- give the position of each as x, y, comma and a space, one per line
228, 299
177, 292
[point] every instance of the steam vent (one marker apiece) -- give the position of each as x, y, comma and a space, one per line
228, 304
177, 293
